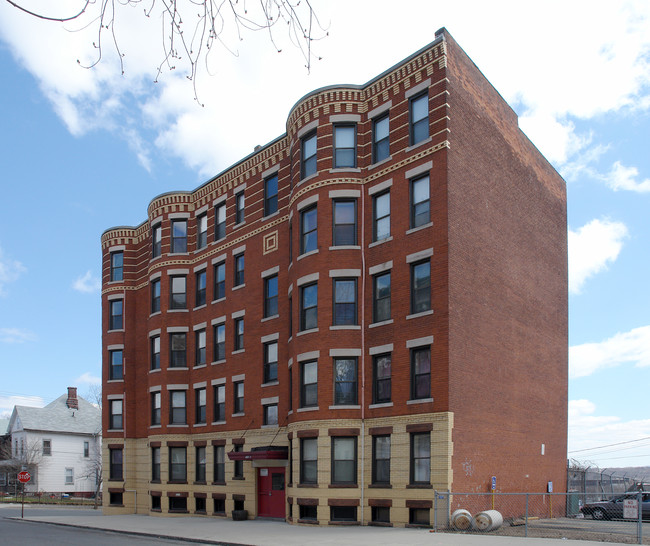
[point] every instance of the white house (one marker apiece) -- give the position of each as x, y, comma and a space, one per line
60, 445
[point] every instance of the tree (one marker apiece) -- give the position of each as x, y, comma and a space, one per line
191, 29
25, 455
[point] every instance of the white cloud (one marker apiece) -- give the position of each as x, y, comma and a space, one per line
87, 283
592, 248
625, 178
88, 378
16, 335
10, 270
625, 347
7, 403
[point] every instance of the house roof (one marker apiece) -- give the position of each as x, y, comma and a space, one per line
58, 417
4, 426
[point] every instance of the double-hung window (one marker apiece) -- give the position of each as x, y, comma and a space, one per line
344, 460
345, 222
115, 414
200, 348
308, 160
239, 334
219, 464
47, 447
345, 381
381, 297
178, 464
381, 378
200, 288
177, 408
219, 403
239, 270
115, 466
309, 384
155, 296
345, 302
271, 296
420, 286
220, 221
156, 241
380, 138
200, 416
420, 463
116, 369
155, 408
420, 205
345, 146
419, 118
178, 350
117, 266
238, 388
202, 231
271, 195
155, 352
420, 373
381, 459
178, 293
115, 321
308, 460
219, 334
309, 307
270, 414
179, 236
308, 230
381, 216
199, 463
155, 464
239, 208
219, 281
270, 362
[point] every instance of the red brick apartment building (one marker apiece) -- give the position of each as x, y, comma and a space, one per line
369, 308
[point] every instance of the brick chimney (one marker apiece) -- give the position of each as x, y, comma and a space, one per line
72, 401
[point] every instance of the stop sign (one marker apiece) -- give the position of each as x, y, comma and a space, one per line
24, 476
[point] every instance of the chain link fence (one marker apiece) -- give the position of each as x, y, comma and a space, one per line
625, 518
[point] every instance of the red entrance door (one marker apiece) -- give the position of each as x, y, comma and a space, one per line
270, 492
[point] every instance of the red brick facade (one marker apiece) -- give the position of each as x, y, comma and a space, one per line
478, 281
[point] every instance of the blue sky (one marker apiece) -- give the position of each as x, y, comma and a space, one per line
85, 150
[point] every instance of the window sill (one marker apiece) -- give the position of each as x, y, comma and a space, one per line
303, 332
155, 426
380, 163
420, 401
381, 241
345, 170
344, 523
238, 351
157, 370
346, 327
266, 319
307, 178
218, 422
269, 216
201, 483
178, 426
218, 362
219, 300
380, 524
419, 486
308, 485
418, 144
381, 323
198, 425
155, 481
155, 313
178, 511
308, 521
178, 368
419, 228
199, 366
118, 330
109, 430
239, 225
311, 408
115, 381
270, 426
343, 486
202, 306
178, 310
218, 483
177, 482
238, 414
238, 478
271, 384
179, 253
421, 314
345, 407
238, 287
310, 253
381, 405
345, 247
380, 486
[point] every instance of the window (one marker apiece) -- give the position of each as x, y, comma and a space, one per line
308, 230
345, 302
199, 504
381, 216
343, 513
309, 384
308, 512
420, 457
380, 139
115, 319
200, 347
381, 459
308, 163
420, 215
270, 362
420, 373
344, 460
115, 369
200, 288
199, 464
271, 296
200, 406
179, 236
420, 287
309, 460
239, 334
219, 403
177, 350
238, 471
239, 270
156, 241
178, 504
290, 317
381, 297
381, 373
290, 391
178, 295
419, 516
115, 498
155, 464
177, 411
202, 231
220, 221
380, 514
117, 266
239, 208
177, 465
155, 296
239, 396
86, 450
271, 195
345, 381
115, 414
156, 503
419, 118
309, 307
47, 447
219, 281
271, 414
219, 462
115, 467
69, 476
345, 222
345, 154
155, 408
219, 506
155, 353
219, 332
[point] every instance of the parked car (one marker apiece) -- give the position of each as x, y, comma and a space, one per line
613, 508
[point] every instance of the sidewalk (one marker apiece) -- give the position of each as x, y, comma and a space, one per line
277, 533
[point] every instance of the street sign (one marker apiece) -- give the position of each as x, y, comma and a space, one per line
494, 483
24, 477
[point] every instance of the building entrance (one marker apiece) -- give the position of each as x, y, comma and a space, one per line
270, 492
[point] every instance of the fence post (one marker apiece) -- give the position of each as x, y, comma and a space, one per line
639, 532
526, 518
